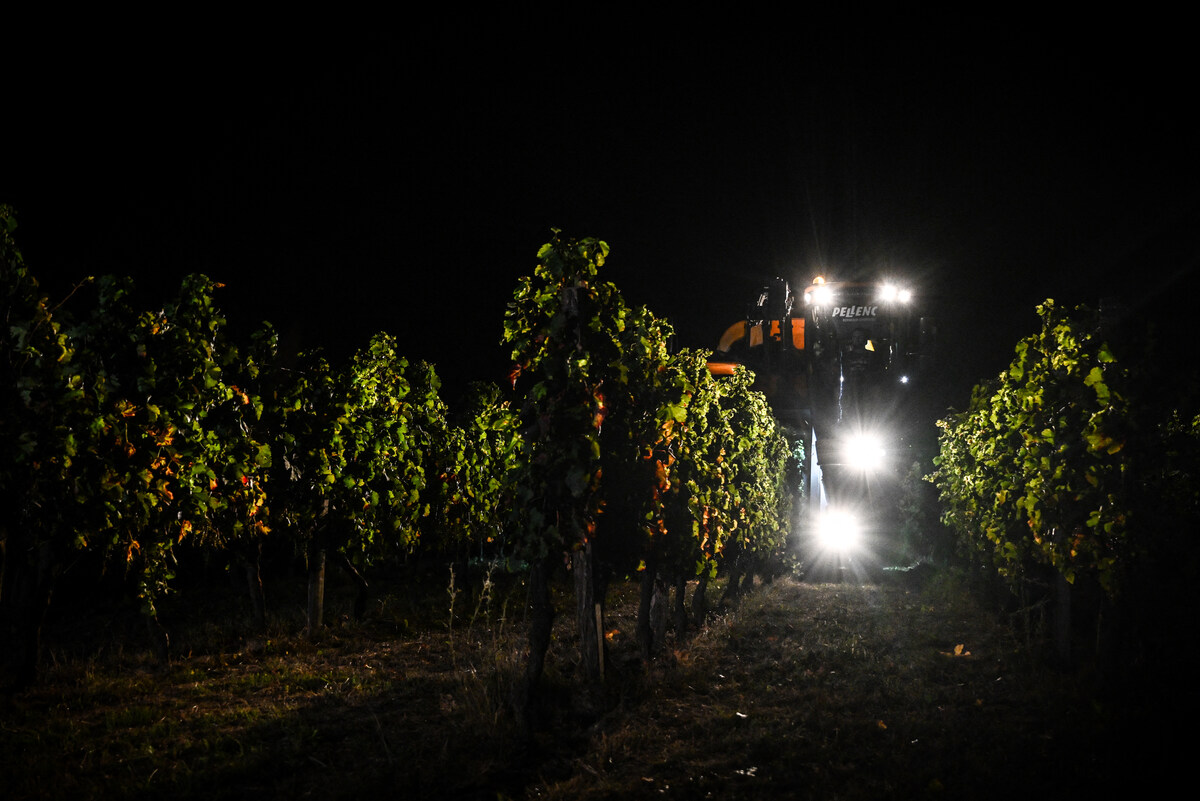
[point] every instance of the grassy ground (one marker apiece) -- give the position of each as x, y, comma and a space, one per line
896, 689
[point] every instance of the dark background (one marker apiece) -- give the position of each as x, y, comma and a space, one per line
341, 184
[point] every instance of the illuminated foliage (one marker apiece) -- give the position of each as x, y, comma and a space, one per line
1050, 464
633, 456
125, 439
133, 437
471, 495
191, 468
352, 448
136, 439
564, 329
43, 410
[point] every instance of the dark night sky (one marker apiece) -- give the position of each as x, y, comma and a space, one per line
403, 181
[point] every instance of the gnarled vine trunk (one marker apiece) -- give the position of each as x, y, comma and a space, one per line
652, 610
700, 599
541, 621
254, 587
362, 588
316, 590
589, 612
645, 626
681, 618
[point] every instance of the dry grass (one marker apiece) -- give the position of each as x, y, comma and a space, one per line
888, 690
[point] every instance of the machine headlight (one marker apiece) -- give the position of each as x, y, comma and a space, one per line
890, 293
864, 452
838, 531
820, 296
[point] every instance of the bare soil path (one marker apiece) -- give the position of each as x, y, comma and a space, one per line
888, 690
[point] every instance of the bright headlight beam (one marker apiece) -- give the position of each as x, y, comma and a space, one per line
864, 452
890, 293
822, 296
838, 531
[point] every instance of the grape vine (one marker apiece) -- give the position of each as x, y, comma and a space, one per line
1065, 464
144, 441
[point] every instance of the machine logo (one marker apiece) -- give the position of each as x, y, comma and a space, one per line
853, 312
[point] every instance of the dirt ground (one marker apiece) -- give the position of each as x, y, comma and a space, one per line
902, 688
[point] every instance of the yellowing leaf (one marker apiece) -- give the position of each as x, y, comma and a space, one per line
959, 650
